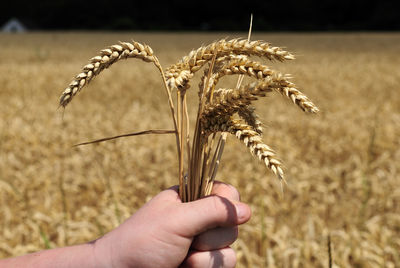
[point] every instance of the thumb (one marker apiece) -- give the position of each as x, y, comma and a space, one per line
211, 212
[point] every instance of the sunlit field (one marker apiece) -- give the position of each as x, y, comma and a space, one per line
342, 165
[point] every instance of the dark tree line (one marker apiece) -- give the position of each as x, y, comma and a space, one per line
205, 15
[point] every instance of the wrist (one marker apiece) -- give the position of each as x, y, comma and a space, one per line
104, 253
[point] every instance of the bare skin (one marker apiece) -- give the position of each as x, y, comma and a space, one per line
163, 233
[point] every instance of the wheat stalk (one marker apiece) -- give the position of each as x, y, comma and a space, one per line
217, 106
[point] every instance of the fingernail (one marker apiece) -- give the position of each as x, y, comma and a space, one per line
241, 211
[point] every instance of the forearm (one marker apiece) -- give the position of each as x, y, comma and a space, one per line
74, 256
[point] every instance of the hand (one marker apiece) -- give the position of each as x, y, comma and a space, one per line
168, 233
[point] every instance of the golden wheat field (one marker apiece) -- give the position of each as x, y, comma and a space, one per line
342, 165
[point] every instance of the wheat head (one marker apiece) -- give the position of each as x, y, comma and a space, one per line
250, 137
106, 58
180, 72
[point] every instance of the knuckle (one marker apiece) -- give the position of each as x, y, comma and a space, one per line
229, 190
234, 193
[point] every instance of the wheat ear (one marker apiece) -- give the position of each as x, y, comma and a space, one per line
178, 73
250, 138
109, 56
106, 58
231, 100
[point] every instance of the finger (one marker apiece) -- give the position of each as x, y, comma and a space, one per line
216, 238
210, 212
222, 258
225, 190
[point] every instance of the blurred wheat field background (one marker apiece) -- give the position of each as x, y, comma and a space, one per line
342, 165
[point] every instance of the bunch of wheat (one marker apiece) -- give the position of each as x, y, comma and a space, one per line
221, 110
